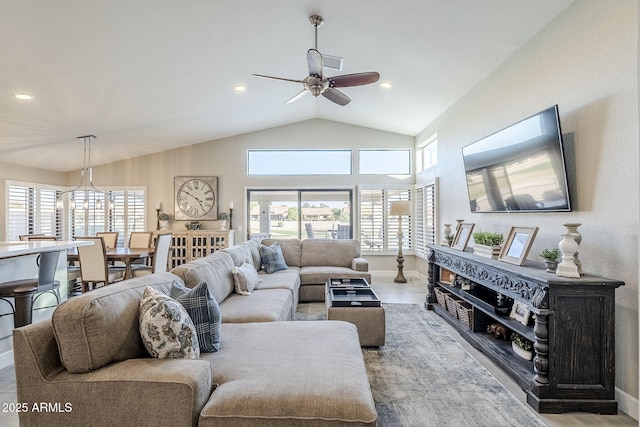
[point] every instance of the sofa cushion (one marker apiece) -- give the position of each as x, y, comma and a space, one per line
245, 278
215, 269
290, 392
329, 252
240, 254
315, 275
272, 258
101, 326
204, 312
268, 305
254, 248
291, 250
166, 329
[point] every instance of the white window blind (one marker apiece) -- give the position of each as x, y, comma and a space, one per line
399, 195
31, 209
125, 213
378, 231
425, 218
372, 219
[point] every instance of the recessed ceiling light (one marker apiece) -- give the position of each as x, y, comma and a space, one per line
240, 88
23, 96
386, 85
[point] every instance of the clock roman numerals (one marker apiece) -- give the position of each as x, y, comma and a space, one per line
195, 198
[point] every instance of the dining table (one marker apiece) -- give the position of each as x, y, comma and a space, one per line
119, 253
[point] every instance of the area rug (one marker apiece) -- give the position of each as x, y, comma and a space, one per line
423, 377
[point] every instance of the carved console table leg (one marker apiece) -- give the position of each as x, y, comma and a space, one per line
431, 280
541, 361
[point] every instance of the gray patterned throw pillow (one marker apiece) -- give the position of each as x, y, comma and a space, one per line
204, 312
272, 258
166, 328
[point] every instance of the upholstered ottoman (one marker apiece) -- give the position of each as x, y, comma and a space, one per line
370, 322
289, 374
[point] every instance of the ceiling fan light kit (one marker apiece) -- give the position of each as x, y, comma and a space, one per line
316, 83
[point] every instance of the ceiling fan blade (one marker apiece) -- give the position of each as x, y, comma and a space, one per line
356, 79
336, 96
279, 78
297, 96
314, 62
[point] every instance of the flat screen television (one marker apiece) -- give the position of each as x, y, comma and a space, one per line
520, 168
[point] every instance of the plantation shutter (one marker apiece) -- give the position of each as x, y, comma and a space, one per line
372, 216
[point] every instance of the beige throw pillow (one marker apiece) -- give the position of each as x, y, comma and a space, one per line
245, 278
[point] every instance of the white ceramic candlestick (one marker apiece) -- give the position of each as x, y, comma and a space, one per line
572, 227
568, 246
447, 232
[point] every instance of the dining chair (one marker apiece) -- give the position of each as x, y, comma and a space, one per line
160, 257
140, 240
43, 237
110, 238
93, 264
26, 291
25, 237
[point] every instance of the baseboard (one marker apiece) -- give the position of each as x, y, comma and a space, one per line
627, 404
6, 359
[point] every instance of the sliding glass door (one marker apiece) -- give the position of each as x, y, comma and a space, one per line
304, 214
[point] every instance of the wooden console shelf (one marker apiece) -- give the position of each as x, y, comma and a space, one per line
193, 244
573, 331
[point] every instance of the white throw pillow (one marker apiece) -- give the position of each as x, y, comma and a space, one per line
245, 278
166, 328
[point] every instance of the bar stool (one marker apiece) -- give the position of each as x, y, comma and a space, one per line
26, 291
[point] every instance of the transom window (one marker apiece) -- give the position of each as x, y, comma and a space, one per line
299, 162
384, 162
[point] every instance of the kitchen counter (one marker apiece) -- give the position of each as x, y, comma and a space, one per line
14, 249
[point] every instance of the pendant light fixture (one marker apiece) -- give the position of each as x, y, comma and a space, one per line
85, 174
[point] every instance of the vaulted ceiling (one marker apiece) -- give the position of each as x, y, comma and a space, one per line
148, 76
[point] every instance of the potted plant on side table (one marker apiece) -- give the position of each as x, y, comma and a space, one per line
487, 244
521, 346
221, 223
163, 220
551, 257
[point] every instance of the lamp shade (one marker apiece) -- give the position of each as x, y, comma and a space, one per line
400, 208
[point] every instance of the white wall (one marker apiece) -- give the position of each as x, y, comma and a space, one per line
586, 62
227, 158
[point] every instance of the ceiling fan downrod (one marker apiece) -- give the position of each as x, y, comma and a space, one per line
316, 21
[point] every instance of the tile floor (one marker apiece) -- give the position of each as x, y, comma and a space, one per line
413, 292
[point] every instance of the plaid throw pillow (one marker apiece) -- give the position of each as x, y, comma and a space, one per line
272, 258
204, 312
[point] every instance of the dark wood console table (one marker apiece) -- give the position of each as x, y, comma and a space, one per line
573, 331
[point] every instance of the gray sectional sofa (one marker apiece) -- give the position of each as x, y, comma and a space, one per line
268, 372
319, 259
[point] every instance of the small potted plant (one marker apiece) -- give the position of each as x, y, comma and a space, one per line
551, 257
521, 346
487, 244
163, 220
221, 223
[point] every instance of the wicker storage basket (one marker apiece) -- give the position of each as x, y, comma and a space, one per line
464, 312
452, 305
441, 295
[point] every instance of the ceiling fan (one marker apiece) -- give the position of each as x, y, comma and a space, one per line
316, 83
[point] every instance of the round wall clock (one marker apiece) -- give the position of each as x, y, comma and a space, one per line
196, 197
